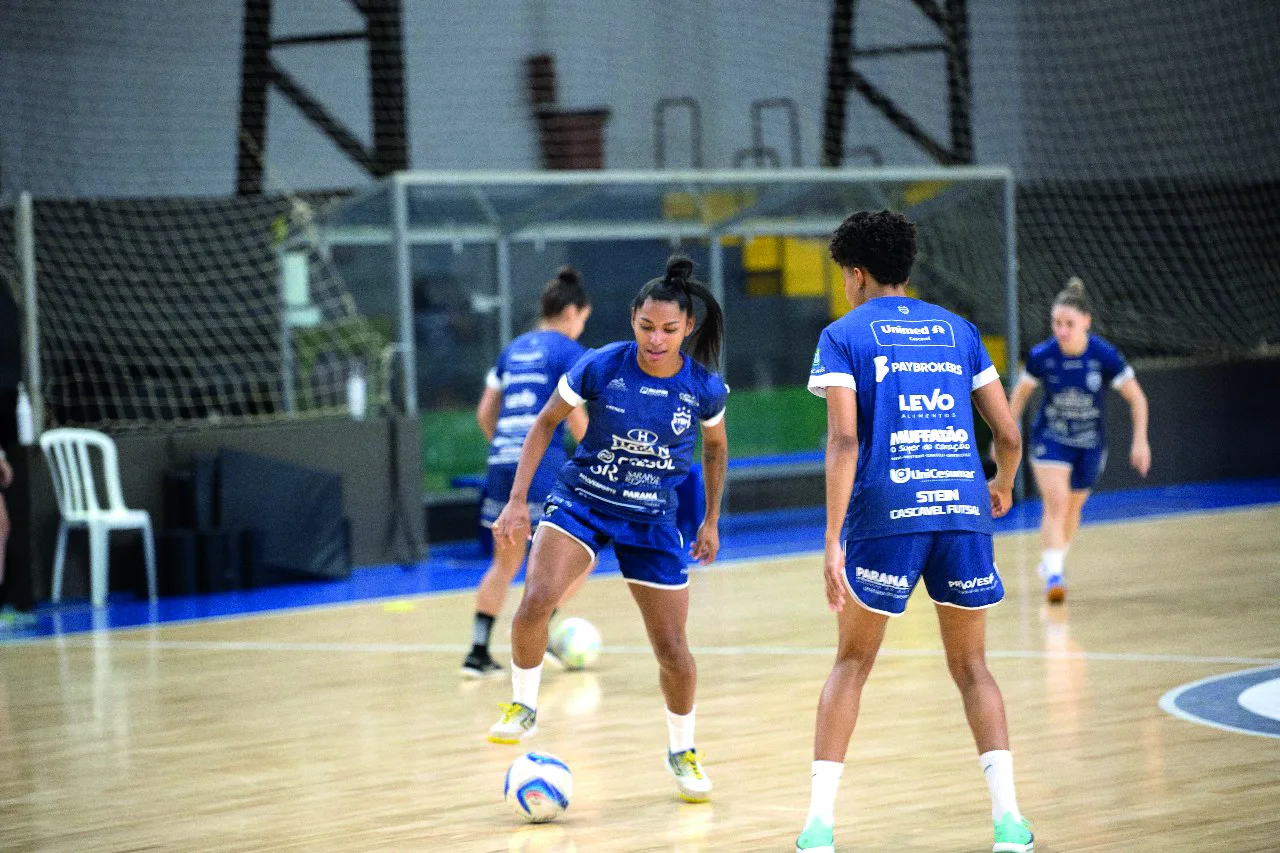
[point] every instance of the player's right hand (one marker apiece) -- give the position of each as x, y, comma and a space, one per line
513, 519
1001, 498
833, 574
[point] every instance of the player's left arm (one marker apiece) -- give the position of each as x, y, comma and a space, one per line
577, 423
1140, 449
487, 411
841, 465
715, 463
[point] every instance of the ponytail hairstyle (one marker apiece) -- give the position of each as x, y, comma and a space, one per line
678, 285
562, 291
1073, 296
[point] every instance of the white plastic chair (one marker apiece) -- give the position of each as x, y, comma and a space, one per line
67, 451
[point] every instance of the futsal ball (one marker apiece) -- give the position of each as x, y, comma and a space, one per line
576, 642
538, 787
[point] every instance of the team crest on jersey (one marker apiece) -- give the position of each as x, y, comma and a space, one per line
681, 420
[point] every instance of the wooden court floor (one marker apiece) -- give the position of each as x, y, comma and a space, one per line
347, 728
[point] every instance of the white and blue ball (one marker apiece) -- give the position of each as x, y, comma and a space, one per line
538, 787
576, 642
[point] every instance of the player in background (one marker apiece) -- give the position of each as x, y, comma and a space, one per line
516, 389
645, 400
906, 500
1068, 448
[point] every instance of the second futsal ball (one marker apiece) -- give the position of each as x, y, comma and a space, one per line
576, 642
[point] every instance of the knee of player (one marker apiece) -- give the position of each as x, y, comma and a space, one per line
672, 651
537, 603
967, 669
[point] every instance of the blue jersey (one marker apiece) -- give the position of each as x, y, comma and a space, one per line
527, 372
1074, 390
642, 431
912, 366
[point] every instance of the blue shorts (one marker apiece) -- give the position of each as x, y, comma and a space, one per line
958, 567
497, 488
1086, 463
649, 553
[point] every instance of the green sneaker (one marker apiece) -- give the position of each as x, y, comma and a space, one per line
816, 838
1013, 835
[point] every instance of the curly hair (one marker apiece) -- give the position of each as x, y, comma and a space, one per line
884, 244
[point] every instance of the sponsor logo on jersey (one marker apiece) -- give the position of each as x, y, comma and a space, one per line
611, 407
937, 496
817, 367
871, 576
689, 399
524, 379
973, 583
595, 484
927, 367
639, 496
882, 366
642, 478
920, 333
605, 456
617, 384
516, 423
906, 475
1093, 380
904, 309
681, 420
641, 442
945, 435
934, 509
935, 402
653, 392
607, 470
527, 358
520, 400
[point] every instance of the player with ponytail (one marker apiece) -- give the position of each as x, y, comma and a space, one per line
1068, 448
646, 401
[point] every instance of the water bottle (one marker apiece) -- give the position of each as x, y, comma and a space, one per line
26, 421
356, 398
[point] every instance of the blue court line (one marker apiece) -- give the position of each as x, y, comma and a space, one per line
460, 566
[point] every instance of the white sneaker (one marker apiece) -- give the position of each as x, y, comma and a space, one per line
518, 722
692, 782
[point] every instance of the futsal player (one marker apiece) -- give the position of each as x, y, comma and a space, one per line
1068, 447
906, 500
646, 401
516, 389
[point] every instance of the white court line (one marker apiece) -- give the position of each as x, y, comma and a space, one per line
710, 651
1169, 704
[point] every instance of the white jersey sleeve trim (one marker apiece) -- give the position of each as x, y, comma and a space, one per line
1123, 376
491, 380
573, 398
714, 419
986, 377
819, 384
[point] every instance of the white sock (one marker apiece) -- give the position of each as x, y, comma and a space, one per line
1051, 560
524, 685
822, 797
680, 730
997, 767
